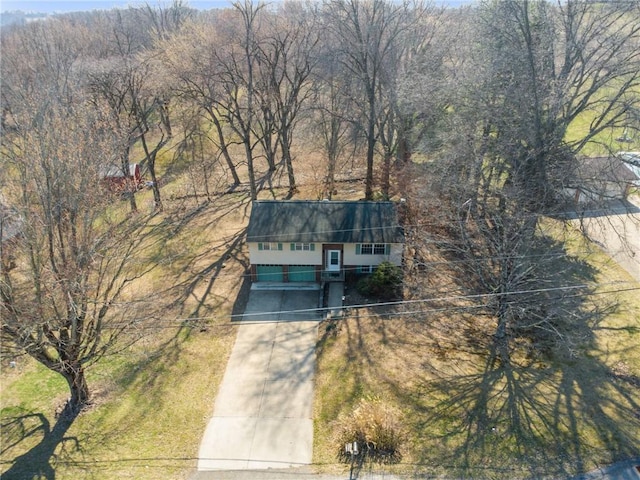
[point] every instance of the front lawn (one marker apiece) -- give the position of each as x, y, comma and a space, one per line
467, 417
151, 402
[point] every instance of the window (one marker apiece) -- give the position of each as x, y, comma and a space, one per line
269, 246
366, 268
373, 249
300, 247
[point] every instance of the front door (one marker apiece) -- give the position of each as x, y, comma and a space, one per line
333, 260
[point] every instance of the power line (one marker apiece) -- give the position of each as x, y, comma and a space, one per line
182, 321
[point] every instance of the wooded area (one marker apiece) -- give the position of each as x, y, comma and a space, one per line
475, 115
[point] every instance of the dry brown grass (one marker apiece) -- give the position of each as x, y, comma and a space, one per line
152, 402
469, 417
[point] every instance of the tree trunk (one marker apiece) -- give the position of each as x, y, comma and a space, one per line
286, 154
129, 186
157, 200
225, 152
386, 173
501, 337
331, 177
78, 387
252, 174
371, 143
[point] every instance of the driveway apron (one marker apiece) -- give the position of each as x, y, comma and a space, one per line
263, 412
619, 235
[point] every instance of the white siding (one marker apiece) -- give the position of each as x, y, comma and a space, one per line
350, 257
288, 257
285, 256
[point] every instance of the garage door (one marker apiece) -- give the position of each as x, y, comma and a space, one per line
269, 273
302, 273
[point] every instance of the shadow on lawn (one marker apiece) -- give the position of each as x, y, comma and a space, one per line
195, 274
39, 461
525, 421
196, 282
555, 408
55, 448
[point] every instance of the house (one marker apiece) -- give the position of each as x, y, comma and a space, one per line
113, 177
316, 241
632, 162
603, 178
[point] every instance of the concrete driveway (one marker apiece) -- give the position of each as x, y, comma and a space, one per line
617, 231
263, 412
298, 302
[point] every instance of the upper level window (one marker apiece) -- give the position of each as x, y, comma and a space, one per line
300, 247
269, 246
372, 249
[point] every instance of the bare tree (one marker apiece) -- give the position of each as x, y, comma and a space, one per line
551, 65
370, 35
130, 82
67, 302
166, 20
190, 59
331, 119
287, 56
239, 83
506, 158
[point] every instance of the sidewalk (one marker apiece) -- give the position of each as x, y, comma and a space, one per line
625, 470
335, 299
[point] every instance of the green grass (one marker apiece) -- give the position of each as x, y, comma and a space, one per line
603, 143
151, 402
148, 416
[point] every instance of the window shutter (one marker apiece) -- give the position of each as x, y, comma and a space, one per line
313, 247
293, 247
357, 249
387, 248
260, 246
279, 246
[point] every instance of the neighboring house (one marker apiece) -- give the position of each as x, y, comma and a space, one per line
632, 162
113, 177
315, 241
603, 178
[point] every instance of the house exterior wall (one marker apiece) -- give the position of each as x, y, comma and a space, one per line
351, 258
603, 191
285, 256
288, 257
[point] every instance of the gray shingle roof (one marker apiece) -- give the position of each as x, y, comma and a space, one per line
607, 169
324, 221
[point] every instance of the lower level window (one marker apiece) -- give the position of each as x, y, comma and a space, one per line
366, 268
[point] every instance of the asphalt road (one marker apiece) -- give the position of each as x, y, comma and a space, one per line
618, 232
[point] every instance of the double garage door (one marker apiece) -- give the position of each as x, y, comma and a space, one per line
275, 273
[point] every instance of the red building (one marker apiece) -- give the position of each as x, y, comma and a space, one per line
115, 179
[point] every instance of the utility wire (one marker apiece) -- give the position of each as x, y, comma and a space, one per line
182, 321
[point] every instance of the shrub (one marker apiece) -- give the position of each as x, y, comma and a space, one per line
385, 282
376, 427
